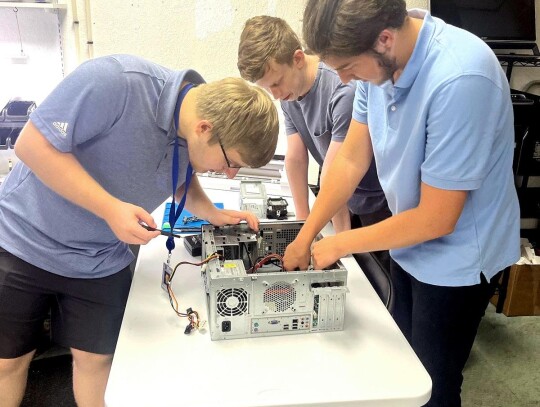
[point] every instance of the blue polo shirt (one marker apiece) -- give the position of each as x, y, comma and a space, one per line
115, 115
448, 122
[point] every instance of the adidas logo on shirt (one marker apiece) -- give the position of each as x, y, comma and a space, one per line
62, 127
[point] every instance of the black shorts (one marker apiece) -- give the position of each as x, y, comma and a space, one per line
86, 314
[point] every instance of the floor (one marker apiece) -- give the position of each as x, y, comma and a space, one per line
50, 382
503, 369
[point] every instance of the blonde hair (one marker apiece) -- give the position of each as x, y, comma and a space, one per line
243, 117
262, 39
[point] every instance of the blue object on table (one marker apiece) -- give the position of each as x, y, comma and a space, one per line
165, 225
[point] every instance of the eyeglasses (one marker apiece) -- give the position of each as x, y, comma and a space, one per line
227, 158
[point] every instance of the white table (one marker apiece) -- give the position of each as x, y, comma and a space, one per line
157, 365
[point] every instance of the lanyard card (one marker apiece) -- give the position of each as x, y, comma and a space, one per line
166, 277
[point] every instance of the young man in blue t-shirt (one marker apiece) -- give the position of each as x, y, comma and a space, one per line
317, 108
97, 157
433, 108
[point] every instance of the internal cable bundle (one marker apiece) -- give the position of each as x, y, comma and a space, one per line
270, 258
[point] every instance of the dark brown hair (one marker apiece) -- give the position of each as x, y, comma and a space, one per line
346, 28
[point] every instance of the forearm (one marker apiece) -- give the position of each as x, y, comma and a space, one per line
341, 221
341, 178
298, 182
332, 197
436, 215
405, 229
198, 203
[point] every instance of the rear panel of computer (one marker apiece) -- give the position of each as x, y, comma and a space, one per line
250, 295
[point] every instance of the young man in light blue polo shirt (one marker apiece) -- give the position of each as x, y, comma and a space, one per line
434, 111
97, 157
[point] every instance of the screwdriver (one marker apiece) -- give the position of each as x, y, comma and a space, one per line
165, 233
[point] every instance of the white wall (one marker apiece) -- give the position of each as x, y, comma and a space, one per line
200, 34
40, 42
196, 33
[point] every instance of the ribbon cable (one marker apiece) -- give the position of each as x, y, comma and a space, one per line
174, 212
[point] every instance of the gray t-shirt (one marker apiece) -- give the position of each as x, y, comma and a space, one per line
323, 115
115, 115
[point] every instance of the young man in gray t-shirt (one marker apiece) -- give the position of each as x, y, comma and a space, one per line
317, 108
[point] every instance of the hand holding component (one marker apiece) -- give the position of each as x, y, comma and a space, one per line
326, 251
223, 217
297, 256
124, 220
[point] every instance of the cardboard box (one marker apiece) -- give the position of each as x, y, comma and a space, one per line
523, 292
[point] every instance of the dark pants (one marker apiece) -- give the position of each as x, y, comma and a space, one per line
440, 323
86, 314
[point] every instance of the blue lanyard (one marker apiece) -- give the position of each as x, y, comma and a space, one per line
174, 212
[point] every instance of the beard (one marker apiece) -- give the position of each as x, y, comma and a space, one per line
387, 64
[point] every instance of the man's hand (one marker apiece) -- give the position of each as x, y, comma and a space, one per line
124, 220
325, 252
297, 256
223, 217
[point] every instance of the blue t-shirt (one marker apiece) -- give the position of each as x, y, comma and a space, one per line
448, 122
115, 115
323, 115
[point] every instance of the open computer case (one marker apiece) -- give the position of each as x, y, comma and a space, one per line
248, 293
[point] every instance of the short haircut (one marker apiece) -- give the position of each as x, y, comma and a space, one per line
345, 28
243, 117
265, 38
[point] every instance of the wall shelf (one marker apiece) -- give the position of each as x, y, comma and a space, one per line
520, 60
512, 60
19, 5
